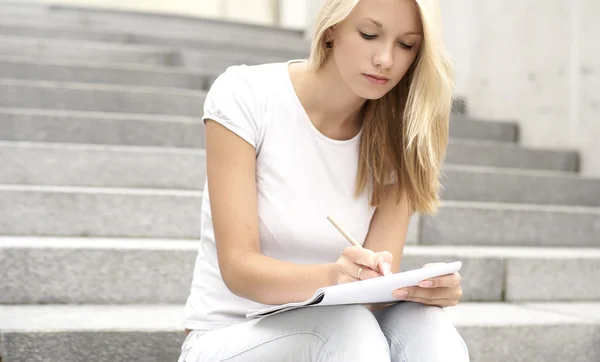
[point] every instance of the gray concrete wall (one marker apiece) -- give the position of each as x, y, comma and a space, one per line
535, 62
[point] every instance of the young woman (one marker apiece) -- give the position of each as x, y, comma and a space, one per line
357, 132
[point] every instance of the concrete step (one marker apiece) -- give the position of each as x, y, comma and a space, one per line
67, 164
291, 47
218, 61
81, 19
97, 72
490, 184
75, 212
100, 97
63, 126
211, 60
507, 154
82, 50
464, 127
503, 224
123, 271
157, 213
43, 125
102, 166
493, 332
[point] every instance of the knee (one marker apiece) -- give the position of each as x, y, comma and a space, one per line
354, 320
428, 335
355, 334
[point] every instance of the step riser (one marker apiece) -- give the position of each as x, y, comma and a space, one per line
114, 131
456, 225
105, 346
16, 69
36, 164
97, 214
483, 130
512, 157
82, 20
542, 343
539, 343
58, 49
101, 276
88, 276
531, 279
201, 40
48, 49
511, 188
102, 168
96, 276
217, 62
100, 130
24, 94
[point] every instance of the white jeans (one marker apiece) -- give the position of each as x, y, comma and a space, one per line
404, 332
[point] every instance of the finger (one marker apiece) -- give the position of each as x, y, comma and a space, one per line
352, 270
362, 256
369, 274
436, 293
444, 281
385, 256
385, 262
442, 303
428, 265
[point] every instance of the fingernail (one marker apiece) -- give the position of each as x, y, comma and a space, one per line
387, 268
426, 284
400, 294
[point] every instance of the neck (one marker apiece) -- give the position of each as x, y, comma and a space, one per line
333, 108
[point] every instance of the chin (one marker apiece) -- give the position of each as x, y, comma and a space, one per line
371, 94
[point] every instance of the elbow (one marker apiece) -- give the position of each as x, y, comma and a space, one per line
236, 277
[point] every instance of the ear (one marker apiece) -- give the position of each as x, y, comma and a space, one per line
329, 32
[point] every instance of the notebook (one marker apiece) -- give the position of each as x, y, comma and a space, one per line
376, 290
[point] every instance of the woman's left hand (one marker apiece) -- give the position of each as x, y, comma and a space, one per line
443, 291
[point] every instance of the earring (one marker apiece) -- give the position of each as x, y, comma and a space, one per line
329, 44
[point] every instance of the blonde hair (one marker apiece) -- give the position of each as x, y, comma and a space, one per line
405, 133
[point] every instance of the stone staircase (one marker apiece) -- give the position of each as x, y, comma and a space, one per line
102, 168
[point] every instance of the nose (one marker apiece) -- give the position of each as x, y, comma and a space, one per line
384, 56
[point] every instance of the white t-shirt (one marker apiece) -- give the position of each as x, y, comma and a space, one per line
302, 176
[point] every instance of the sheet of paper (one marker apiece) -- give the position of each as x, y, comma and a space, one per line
377, 290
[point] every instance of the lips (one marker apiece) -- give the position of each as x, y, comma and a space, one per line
377, 77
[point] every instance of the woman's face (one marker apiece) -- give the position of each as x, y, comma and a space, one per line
380, 38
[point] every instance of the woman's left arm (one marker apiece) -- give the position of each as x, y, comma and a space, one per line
387, 232
389, 226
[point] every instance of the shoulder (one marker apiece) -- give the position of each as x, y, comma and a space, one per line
248, 80
238, 97
246, 86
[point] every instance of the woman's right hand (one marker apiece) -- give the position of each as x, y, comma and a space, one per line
353, 258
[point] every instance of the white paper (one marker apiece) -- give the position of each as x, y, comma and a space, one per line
376, 290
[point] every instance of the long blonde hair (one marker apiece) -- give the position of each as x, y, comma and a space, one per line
405, 133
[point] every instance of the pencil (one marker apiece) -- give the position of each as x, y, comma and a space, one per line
352, 241
343, 232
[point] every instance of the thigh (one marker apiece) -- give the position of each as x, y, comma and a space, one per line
417, 332
335, 333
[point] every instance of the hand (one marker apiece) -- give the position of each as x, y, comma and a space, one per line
353, 258
444, 291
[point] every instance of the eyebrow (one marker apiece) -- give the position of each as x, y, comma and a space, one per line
381, 26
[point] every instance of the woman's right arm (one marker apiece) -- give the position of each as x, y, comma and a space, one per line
231, 173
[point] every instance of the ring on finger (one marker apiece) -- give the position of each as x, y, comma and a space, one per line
359, 273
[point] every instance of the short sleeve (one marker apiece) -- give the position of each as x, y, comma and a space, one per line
232, 102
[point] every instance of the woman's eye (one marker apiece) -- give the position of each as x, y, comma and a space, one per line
371, 37
367, 36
